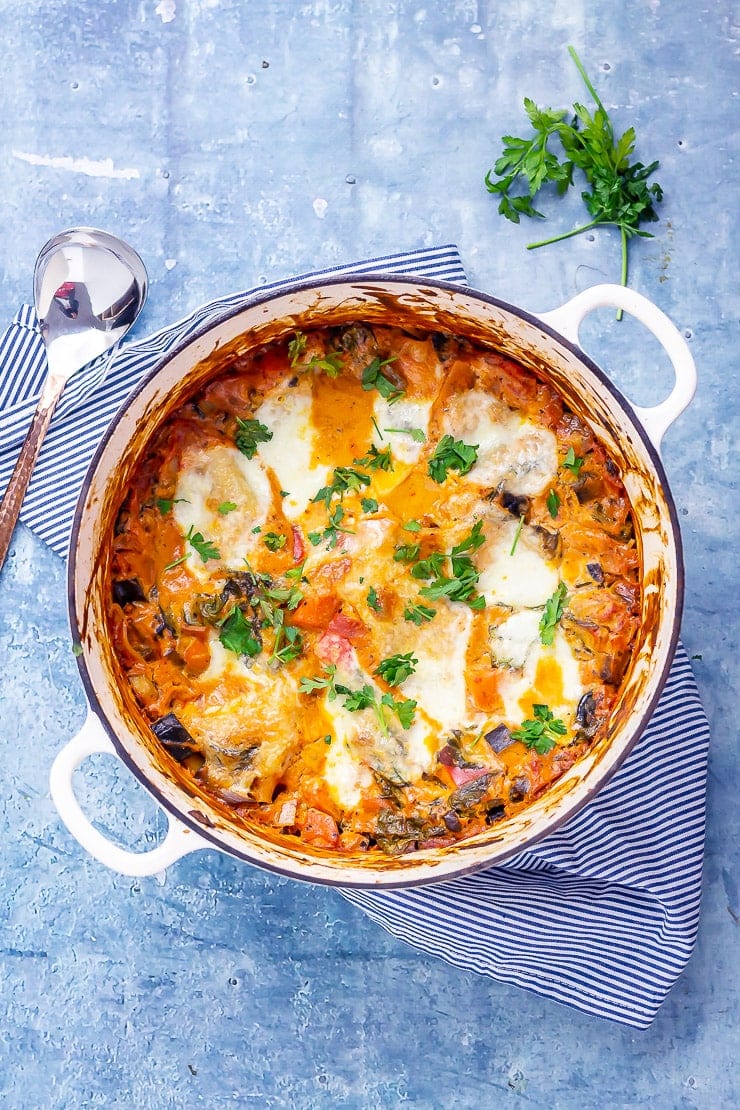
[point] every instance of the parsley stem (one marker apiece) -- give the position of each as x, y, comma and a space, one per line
624, 264
565, 235
584, 75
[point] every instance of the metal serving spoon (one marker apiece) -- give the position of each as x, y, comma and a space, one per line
88, 289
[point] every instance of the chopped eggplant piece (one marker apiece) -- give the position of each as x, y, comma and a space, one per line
452, 821
496, 812
586, 711
498, 738
174, 737
596, 572
128, 590
550, 540
517, 505
519, 789
444, 345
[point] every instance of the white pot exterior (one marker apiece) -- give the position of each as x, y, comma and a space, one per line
423, 305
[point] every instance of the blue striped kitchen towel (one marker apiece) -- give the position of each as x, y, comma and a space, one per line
603, 914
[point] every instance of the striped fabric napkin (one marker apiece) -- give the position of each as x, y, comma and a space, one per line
603, 914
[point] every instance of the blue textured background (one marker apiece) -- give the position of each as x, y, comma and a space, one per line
234, 143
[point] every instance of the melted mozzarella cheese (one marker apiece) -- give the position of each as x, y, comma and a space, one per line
407, 414
510, 450
438, 683
519, 691
290, 453
209, 477
514, 638
523, 580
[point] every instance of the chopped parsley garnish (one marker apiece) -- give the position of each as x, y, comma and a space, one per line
406, 552
311, 685
226, 507
238, 635
296, 572
369, 505
171, 566
411, 526
374, 378
375, 459
331, 363
204, 547
462, 583
451, 454
540, 732
416, 434
364, 698
418, 614
164, 504
396, 668
274, 541
517, 534
553, 503
249, 434
296, 347
332, 530
346, 479
373, 600
288, 643
553, 612
573, 462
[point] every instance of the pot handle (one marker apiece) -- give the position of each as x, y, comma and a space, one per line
567, 321
89, 740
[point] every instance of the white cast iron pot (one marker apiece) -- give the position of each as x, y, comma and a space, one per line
547, 344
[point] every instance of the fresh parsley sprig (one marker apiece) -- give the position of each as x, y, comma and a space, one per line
540, 732
617, 190
451, 454
204, 547
397, 668
374, 378
553, 611
249, 434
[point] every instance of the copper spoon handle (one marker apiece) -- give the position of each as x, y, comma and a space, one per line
11, 503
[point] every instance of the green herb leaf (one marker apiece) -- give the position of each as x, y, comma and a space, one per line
369, 505
411, 526
311, 685
250, 433
204, 547
553, 503
177, 562
296, 347
346, 479
274, 541
226, 507
376, 459
572, 462
404, 710
164, 504
406, 552
617, 192
541, 731
418, 614
416, 434
373, 600
451, 454
373, 378
238, 635
396, 668
517, 534
553, 611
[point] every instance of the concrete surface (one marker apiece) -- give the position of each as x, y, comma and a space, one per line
234, 143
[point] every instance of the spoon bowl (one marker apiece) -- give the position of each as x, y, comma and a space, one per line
89, 287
